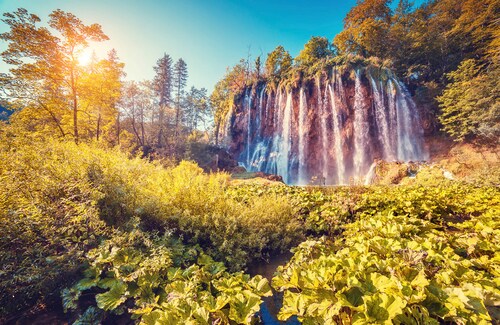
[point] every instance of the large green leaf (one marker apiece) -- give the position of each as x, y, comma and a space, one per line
113, 298
243, 306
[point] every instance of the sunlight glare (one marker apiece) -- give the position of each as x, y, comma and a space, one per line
85, 57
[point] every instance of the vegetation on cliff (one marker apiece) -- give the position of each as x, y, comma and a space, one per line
446, 51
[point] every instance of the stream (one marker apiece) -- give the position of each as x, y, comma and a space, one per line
271, 305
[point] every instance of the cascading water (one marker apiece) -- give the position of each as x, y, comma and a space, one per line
360, 127
381, 117
302, 143
331, 129
335, 96
324, 129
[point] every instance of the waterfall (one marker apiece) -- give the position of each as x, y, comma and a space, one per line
337, 136
302, 143
371, 174
285, 145
330, 129
360, 127
324, 130
248, 104
381, 118
259, 116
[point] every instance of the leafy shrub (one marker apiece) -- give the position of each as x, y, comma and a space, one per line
156, 281
49, 219
414, 255
388, 269
59, 200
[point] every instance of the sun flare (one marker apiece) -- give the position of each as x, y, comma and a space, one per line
85, 57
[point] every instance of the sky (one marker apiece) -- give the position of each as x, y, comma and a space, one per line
210, 35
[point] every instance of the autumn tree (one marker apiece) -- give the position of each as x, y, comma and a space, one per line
101, 90
45, 78
163, 86
366, 29
197, 108
470, 103
139, 107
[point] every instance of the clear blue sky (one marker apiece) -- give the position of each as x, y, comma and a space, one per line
209, 35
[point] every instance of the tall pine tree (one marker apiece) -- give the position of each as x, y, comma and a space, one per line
163, 85
180, 80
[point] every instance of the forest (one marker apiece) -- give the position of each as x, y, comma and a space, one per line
135, 202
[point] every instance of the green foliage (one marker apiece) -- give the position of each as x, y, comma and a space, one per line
49, 219
315, 49
154, 279
59, 200
278, 63
414, 255
365, 29
470, 103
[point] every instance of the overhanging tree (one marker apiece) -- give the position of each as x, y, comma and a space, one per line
45, 77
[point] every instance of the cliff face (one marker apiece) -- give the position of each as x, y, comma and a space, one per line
330, 129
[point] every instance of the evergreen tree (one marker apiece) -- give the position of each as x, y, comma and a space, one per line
180, 80
163, 86
258, 67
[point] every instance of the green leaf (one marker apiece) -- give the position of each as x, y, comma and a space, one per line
261, 286
383, 308
92, 316
113, 298
243, 306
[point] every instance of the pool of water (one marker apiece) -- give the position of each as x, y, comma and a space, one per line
271, 305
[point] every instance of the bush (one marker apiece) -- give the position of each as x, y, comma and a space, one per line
59, 200
407, 259
156, 280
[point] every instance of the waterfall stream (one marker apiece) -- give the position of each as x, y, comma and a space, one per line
327, 130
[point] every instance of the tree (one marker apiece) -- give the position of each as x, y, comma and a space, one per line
45, 79
365, 29
258, 67
163, 85
180, 80
221, 101
278, 62
315, 49
197, 108
470, 104
101, 90
138, 107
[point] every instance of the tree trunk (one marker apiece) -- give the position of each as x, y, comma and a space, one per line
142, 125
98, 130
160, 131
177, 111
118, 128
217, 127
75, 106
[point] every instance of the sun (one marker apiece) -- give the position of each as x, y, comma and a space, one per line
85, 56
